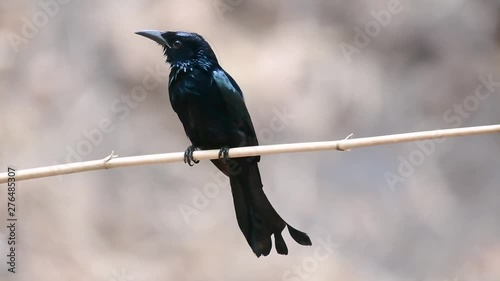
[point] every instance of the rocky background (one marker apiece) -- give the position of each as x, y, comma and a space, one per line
77, 83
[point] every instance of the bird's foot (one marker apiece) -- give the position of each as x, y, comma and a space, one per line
188, 156
224, 153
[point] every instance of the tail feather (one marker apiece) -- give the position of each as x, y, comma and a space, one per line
299, 236
281, 247
257, 218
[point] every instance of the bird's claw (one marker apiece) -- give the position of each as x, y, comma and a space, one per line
224, 153
188, 156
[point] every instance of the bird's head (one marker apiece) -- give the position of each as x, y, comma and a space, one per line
182, 48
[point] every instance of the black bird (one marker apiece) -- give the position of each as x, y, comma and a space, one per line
212, 110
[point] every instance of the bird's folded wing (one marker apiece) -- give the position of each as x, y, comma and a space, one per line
235, 102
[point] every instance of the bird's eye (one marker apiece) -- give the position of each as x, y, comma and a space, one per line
177, 44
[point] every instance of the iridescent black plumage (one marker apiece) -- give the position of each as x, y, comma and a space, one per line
212, 110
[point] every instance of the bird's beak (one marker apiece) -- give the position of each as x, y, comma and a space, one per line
154, 35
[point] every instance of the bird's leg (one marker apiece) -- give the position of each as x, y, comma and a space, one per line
188, 156
224, 153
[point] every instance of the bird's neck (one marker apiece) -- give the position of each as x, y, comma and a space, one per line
181, 67
189, 65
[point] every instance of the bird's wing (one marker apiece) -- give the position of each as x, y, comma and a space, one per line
233, 97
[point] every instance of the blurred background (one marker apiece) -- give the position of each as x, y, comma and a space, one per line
77, 83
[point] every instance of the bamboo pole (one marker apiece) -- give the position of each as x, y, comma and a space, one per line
113, 161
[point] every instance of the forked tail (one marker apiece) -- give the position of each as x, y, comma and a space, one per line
256, 216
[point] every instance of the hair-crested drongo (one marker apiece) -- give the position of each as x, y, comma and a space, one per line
212, 110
